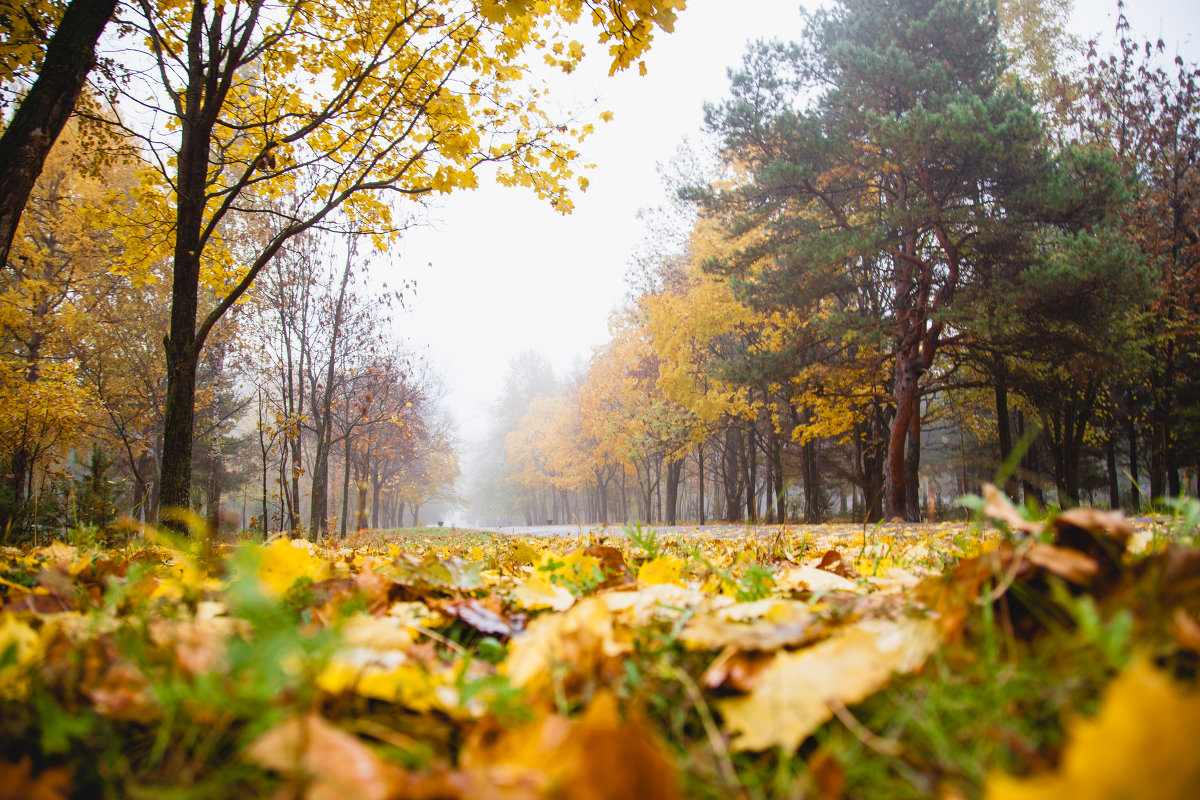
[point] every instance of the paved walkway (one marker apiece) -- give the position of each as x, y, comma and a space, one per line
700, 531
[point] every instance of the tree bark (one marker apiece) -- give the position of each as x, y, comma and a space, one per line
38, 121
674, 471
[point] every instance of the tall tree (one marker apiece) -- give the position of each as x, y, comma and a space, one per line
62, 69
335, 106
886, 142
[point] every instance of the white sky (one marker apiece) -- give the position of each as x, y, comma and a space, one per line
498, 272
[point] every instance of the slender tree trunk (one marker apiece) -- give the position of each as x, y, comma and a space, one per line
777, 471
42, 114
346, 484
674, 471
700, 478
751, 468
1110, 462
1135, 489
1004, 432
320, 479
907, 371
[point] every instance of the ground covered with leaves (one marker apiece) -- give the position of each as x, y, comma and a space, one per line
1007, 659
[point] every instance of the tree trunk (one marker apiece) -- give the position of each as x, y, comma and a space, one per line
907, 398
700, 478
181, 345
346, 484
324, 413
1110, 462
39, 119
1135, 490
1004, 435
674, 471
751, 470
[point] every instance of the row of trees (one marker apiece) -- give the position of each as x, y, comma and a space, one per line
915, 263
243, 128
308, 412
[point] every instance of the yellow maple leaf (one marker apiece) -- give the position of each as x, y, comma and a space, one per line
791, 698
539, 592
1142, 743
664, 569
285, 561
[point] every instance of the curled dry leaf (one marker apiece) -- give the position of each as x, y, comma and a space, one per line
1186, 630
1101, 535
482, 618
1063, 562
998, 507
736, 670
791, 696
833, 562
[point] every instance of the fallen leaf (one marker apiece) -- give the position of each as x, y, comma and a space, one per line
791, 696
600, 756
833, 562
539, 592
664, 569
324, 762
998, 507
483, 619
17, 781
814, 579
762, 625
738, 670
285, 561
580, 642
1141, 743
612, 564
1186, 630
1063, 562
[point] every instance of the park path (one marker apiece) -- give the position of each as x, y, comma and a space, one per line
709, 531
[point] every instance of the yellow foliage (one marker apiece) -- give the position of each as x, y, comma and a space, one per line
284, 561
20, 652
664, 569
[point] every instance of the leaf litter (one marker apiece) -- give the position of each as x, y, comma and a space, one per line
806, 663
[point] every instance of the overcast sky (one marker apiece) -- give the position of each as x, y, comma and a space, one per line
498, 272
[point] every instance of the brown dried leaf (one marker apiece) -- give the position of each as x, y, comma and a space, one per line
998, 507
833, 562
736, 670
17, 781
483, 619
1070, 564
600, 756
1186, 630
612, 564
324, 762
